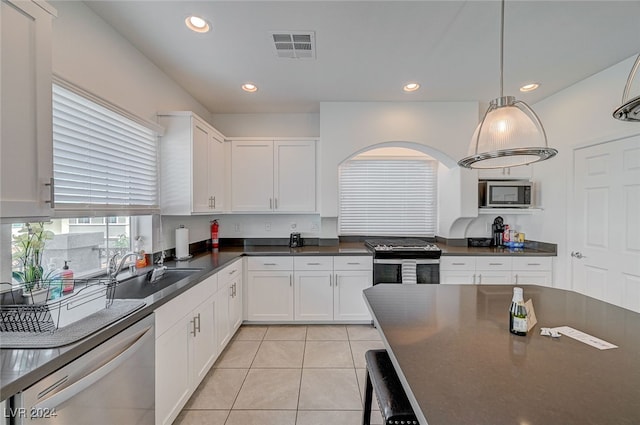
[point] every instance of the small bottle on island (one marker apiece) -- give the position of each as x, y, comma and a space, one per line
518, 314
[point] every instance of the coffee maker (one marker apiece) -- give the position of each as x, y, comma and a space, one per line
295, 241
498, 229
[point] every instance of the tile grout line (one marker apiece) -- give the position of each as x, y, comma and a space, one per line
304, 350
245, 378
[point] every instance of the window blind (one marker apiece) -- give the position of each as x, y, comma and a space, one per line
101, 159
388, 197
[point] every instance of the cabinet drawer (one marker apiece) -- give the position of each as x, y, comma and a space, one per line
532, 263
359, 262
493, 263
229, 273
458, 263
270, 263
313, 263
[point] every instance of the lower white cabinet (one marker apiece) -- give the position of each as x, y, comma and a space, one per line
353, 274
313, 288
308, 288
269, 288
229, 302
496, 270
185, 347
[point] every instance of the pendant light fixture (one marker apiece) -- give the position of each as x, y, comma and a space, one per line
630, 109
510, 133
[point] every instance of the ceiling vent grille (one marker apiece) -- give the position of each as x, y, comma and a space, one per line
294, 44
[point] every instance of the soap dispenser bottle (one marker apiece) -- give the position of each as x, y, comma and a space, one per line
67, 278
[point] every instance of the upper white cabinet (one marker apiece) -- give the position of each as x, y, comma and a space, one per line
273, 175
26, 143
523, 172
192, 165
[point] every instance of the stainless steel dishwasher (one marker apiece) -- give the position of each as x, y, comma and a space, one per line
113, 383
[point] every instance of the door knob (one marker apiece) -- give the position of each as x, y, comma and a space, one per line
577, 254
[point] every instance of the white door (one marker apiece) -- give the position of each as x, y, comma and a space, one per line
295, 178
200, 177
270, 296
605, 236
348, 301
252, 176
313, 296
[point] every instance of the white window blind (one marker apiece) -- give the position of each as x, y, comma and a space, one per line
388, 197
101, 159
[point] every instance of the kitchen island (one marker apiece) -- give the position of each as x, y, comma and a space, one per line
458, 363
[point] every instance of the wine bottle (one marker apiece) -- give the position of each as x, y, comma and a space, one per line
518, 314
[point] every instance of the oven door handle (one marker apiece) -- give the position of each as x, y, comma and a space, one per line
399, 261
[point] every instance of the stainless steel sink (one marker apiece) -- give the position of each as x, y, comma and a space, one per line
140, 286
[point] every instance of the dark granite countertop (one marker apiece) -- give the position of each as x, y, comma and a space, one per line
460, 365
21, 368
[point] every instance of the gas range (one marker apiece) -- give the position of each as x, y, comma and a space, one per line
402, 248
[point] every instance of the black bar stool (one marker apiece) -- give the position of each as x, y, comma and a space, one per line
393, 401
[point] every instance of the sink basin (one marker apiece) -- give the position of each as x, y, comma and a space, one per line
140, 286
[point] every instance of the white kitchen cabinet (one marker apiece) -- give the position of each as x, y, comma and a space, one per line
496, 270
270, 289
26, 141
353, 274
229, 298
313, 288
524, 172
185, 347
273, 175
192, 161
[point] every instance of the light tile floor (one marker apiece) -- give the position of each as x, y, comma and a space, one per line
287, 375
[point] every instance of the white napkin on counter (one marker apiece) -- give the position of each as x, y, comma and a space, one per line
409, 274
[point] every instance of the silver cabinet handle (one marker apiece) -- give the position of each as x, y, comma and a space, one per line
353, 264
330, 280
458, 264
270, 203
474, 278
313, 264
495, 264
214, 202
480, 279
197, 318
235, 292
516, 278
533, 264
233, 271
52, 199
269, 264
336, 279
275, 201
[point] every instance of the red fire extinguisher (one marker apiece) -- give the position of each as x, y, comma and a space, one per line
215, 243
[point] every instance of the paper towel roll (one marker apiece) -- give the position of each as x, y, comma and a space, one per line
182, 242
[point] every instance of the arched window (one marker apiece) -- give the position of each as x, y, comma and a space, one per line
388, 192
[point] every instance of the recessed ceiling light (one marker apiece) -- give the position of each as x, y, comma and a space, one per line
249, 87
529, 87
197, 24
411, 87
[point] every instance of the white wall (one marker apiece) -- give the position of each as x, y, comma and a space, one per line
270, 125
91, 54
350, 127
574, 117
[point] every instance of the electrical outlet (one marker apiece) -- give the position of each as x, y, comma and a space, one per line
314, 227
236, 227
293, 226
267, 227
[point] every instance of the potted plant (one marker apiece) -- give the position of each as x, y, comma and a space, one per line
27, 247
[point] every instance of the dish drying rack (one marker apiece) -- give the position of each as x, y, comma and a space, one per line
25, 312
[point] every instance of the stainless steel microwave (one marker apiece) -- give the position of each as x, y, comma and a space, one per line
505, 193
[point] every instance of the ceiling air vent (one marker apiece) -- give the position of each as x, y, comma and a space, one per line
294, 44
